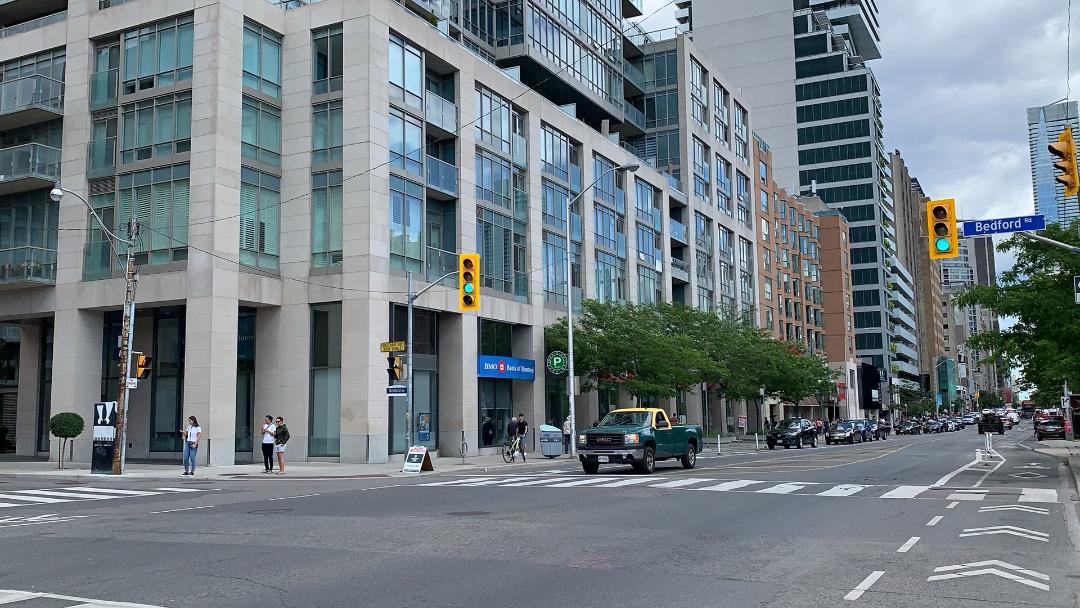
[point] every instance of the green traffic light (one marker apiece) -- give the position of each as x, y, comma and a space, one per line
942, 245
468, 288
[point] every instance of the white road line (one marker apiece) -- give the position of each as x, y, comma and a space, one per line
186, 490
111, 491
861, 588
959, 496
492, 482
1038, 495
847, 489
904, 548
31, 499
184, 509
783, 488
536, 482
10, 597
952, 505
905, 492
454, 482
944, 481
934, 520
627, 482
678, 483
581, 482
68, 495
291, 497
729, 485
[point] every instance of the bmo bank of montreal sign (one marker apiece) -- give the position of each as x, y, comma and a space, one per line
510, 368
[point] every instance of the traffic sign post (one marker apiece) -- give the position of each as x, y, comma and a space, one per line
1004, 225
392, 347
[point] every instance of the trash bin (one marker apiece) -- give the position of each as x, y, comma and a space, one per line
551, 441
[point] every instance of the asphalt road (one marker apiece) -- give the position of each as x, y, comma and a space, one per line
909, 521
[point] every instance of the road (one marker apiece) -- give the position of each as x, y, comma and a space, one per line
861, 525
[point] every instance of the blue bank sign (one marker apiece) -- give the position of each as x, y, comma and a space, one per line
488, 366
1007, 224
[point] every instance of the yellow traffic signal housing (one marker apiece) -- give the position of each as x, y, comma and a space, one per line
142, 365
1065, 150
941, 229
468, 282
394, 368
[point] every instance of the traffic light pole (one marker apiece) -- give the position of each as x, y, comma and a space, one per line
409, 353
127, 338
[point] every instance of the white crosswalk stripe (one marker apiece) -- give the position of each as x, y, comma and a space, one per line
37, 497
753, 486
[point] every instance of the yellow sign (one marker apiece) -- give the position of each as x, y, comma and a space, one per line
392, 347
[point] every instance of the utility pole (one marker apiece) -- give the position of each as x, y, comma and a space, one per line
409, 353
127, 336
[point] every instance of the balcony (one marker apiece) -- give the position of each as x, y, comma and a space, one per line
442, 179
30, 100
678, 231
97, 261
441, 114
28, 167
103, 88
575, 179
521, 150
27, 266
634, 76
440, 263
631, 8
634, 118
101, 157
680, 271
33, 24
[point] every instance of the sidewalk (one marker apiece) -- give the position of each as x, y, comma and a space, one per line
80, 471
1057, 447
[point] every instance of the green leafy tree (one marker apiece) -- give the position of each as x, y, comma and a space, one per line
66, 425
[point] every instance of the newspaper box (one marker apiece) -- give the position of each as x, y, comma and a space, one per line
551, 441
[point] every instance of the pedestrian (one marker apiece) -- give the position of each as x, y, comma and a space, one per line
488, 430
566, 435
674, 419
522, 432
281, 437
825, 426
268, 430
511, 430
818, 425
191, 436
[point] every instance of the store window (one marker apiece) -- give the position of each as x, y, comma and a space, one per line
324, 429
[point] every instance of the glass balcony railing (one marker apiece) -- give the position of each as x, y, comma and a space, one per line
678, 231
101, 157
33, 24
680, 270
441, 112
103, 87
442, 176
575, 179
521, 151
634, 116
634, 75
439, 263
27, 265
28, 92
97, 261
29, 160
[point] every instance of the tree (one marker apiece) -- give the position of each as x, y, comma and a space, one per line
66, 425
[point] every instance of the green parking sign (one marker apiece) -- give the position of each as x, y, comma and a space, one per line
556, 362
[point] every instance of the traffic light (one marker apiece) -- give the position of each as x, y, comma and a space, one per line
394, 368
1065, 149
941, 228
142, 365
468, 281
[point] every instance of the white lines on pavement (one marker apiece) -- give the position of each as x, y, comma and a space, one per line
628, 482
944, 481
978, 568
10, 596
905, 492
178, 510
1024, 508
292, 497
904, 548
1038, 495
678, 483
1010, 530
538, 481
965, 496
784, 488
846, 489
952, 505
582, 482
728, 485
861, 588
934, 520
37, 520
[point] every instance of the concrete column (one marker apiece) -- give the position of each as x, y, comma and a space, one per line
458, 398
76, 384
26, 410
282, 372
527, 342
210, 375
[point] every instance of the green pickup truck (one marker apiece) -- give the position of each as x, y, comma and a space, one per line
638, 437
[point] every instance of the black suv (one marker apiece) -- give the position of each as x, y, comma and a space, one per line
792, 432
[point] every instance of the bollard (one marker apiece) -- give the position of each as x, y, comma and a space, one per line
463, 448
756, 446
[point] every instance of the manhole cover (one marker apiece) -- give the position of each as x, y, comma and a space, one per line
468, 513
269, 511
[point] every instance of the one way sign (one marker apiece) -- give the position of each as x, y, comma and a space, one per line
997, 568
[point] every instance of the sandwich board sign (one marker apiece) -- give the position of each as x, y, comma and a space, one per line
417, 460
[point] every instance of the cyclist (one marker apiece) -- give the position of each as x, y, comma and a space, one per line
522, 431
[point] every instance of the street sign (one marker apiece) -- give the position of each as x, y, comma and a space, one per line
392, 347
556, 362
132, 383
1076, 289
397, 390
1004, 225
417, 460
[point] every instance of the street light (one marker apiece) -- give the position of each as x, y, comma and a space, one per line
570, 303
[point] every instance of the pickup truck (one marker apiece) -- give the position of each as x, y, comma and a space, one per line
638, 437
990, 422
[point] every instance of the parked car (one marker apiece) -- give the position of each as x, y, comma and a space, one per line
844, 432
959, 421
873, 426
638, 437
1051, 426
934, 426
970, 418
907, 427
792, 432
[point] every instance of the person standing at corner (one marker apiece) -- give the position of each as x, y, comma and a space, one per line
191, 438
268, 430
566, 436
522, 432
281, 437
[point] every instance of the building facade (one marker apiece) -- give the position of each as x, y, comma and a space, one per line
1045, 123
974, 266
289, 169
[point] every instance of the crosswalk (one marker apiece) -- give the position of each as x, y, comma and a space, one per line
703, 484
52, 496
33, 599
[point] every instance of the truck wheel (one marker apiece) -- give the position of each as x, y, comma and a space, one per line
648, 461
590, 467
689, 460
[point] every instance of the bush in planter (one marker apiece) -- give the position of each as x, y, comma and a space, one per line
66, 425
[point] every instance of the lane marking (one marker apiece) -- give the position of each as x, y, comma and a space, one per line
67, 495
934, 520
536, 482
1038, 495
628, 482
952, 505
184, 509
944, 481
783, 488
454, 482
978, 569
490, 482
1023, 508
678, 483
904, 548
958, 496
728, 485
291, 497
581, 482
187, 490
111, 491
866, 583
1011, 530
905, 492
30, 499
847, 489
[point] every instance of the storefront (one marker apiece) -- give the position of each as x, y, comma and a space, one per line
425, 422
496, 371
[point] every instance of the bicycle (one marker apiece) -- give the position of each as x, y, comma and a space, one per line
510, 449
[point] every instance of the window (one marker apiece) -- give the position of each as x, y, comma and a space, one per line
864, 276
260, 202
158, 55
871, 318
326, 132
702, 173
829, 64
327, 59
648, 245
768, 290
406, 142
742, 137
607, 227
158, 198
763, 173
661, 69
868, 341
554, 200
864, 255
843, 194
742, 184
554, 246
834, 131
493, 124
720, 112
156, 128
260, 132
766, 259
764, 229
830, 154
326, 220
646, 202
830, 88
660, 149
859, 213
832, 109
406, 223
406, 73
493, 181
503, 254
661, 109
325, 415
262, 60
610, 189
863, 234
555, 152
550, 38
610, 278
699, 94
840, 173
764, 196
649, 290
723, 184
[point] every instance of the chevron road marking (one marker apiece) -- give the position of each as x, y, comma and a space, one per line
1023, 508
11, 596
978, 569
1013, 530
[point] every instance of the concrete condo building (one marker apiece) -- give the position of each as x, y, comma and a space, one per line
1045, 123
288, 164
974, 266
